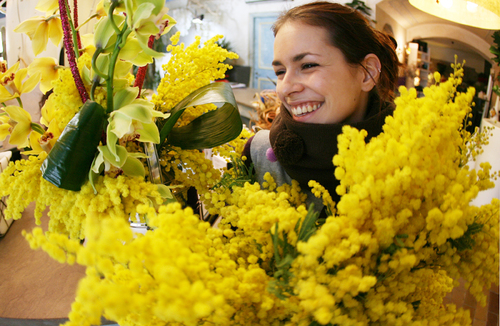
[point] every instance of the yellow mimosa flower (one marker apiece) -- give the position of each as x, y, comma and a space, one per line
21, 121
48, 68
39, 29
12, 85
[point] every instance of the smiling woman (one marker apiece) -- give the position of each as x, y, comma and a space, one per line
333, 69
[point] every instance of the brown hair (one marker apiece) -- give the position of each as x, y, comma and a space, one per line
353, 35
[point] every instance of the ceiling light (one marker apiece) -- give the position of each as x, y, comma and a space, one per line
446, 3
471, 6
477, 13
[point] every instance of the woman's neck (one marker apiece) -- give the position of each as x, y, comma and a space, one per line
359, 114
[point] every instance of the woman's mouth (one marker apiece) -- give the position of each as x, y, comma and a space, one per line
306, 108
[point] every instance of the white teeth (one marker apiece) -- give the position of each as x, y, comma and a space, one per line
305, 109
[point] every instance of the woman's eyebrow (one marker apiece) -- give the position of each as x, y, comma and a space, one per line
296, 58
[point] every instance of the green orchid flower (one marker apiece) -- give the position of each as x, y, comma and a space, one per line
129, 163
100, 69
132, 52
132, 118
148, 18
126, 163
104, 33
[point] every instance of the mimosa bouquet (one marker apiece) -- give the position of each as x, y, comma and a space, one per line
402, 234
99, 133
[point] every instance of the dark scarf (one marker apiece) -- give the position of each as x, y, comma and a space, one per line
306, 150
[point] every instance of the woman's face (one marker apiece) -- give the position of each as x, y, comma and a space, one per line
315, 83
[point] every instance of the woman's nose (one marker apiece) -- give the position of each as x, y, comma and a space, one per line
288, 85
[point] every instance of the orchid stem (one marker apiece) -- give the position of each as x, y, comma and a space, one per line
121, 38
95, 83
110, 15
75, 27
19, 101
94, 65
73, 31
85, 22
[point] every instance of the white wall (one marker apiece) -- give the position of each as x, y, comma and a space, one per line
231, 18
472, 60
383, 18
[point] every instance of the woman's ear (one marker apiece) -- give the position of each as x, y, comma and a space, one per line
372, 71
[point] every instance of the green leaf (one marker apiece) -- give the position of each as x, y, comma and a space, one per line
496, 89
211, 129
308, 228
69, 161
494, 50
167, 127
164, 191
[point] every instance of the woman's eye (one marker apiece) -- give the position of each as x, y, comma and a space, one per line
279, 72
309, 65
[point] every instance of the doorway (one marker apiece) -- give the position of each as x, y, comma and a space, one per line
263, 76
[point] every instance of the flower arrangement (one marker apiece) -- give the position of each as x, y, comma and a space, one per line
97, 124
402, 234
